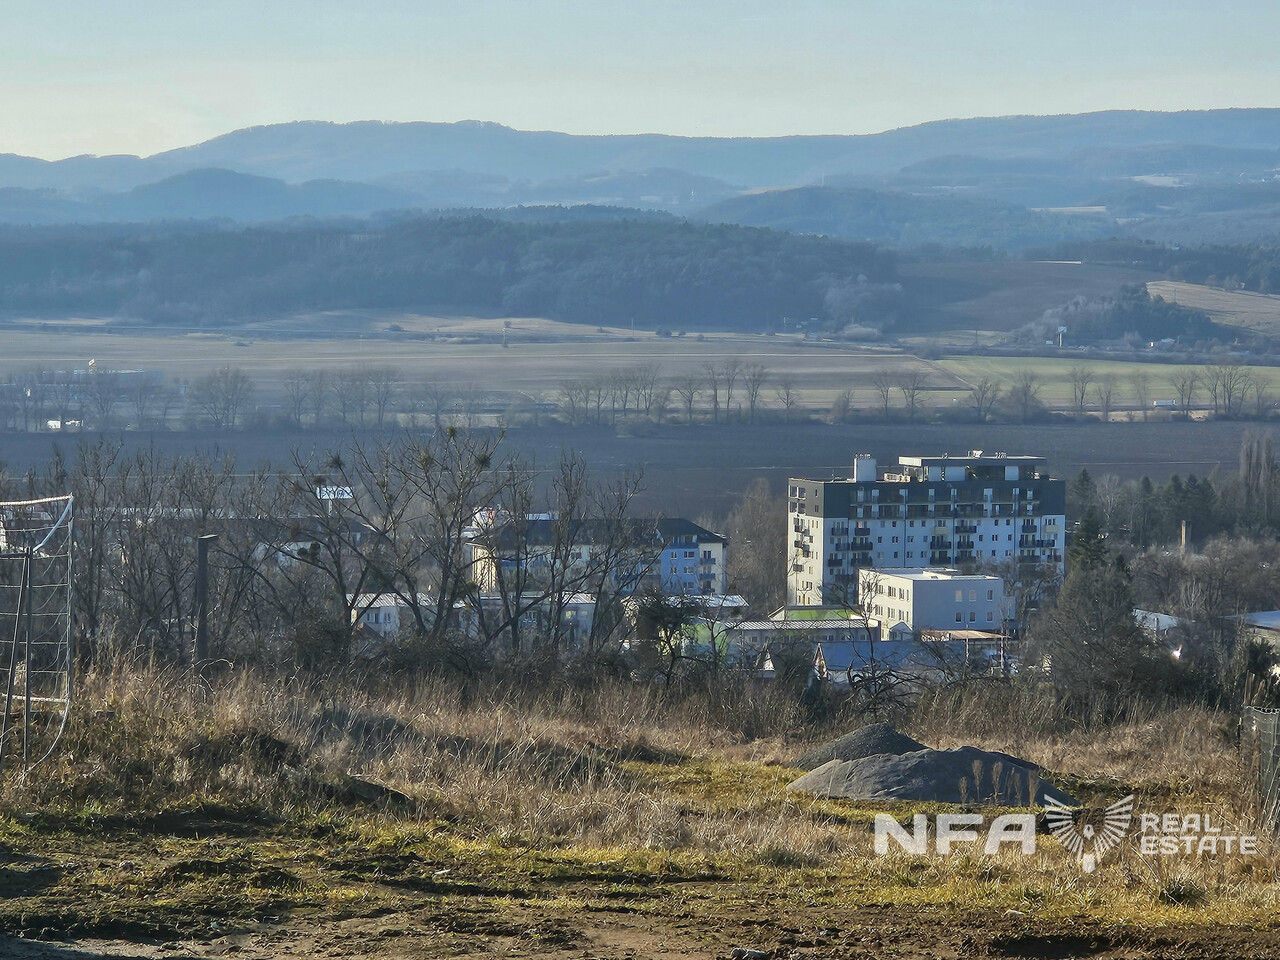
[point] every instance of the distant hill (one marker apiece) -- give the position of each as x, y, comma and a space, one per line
969, 182
364, 150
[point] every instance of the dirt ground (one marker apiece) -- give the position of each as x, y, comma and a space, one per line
774, 927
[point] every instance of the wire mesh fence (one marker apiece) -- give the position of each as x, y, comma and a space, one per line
35, 628
1260, 744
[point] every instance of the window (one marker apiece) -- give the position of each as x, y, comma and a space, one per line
990, 616
973, 595
972, 616
959, 597
991, 594
959, 617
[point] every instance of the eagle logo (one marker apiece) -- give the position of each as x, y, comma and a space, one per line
1080, 832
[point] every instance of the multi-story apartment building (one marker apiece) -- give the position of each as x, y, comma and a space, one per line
971, 511
675, 554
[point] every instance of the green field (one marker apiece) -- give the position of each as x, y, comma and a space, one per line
1056, 379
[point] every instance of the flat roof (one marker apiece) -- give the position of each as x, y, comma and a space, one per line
945, 461
926, 573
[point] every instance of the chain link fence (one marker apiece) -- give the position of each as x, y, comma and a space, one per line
1260, 746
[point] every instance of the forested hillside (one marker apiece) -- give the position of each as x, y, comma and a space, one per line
656, 273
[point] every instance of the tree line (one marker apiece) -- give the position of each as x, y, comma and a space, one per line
482, 550
653, 273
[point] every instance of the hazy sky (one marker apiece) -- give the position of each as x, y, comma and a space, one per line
139, 76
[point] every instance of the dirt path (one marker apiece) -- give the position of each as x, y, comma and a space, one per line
547, 931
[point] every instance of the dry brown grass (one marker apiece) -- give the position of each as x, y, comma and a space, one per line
497, 782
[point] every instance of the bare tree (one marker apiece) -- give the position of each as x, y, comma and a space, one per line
646, 386
1081, 378
295, 392
575, 400
985, 394
1142, 392
1228, 384
788, 396
104, 394
433, 399
730, 372
754, 377
714, 379
221, 397
1261, 389
351, 392
911, 383
141, 396
687, 389
884, 382
1104, 393
384, 383
1184, 383
1024, 394
317, 395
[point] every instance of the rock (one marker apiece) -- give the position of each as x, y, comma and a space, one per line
867, 742
964, 775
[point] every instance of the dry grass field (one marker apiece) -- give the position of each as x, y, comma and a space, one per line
1002, 295
1256, 312
263, 817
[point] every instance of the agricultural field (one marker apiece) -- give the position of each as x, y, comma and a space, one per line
1255, 312
1055, 376
948, 298
539, 357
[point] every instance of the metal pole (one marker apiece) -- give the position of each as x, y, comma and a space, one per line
13, 668
26, 657
202, 597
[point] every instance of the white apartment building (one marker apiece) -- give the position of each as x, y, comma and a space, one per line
939, 511
914, 600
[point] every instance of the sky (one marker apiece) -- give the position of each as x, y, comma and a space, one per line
142, 76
